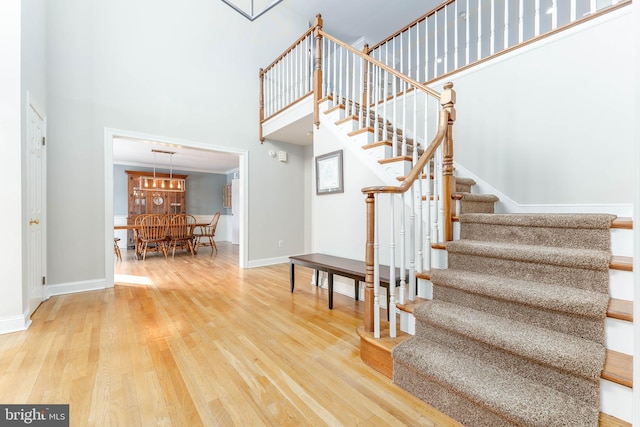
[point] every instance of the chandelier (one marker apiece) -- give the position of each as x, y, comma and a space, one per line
251, 16
169, 183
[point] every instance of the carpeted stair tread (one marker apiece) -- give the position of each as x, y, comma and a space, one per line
472, 197
543, 295
561, 351
578, 221
465, 181
558, 230
518, 400
568, 257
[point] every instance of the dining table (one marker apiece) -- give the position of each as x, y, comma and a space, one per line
136, 228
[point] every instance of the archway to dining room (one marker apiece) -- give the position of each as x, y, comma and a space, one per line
131, 150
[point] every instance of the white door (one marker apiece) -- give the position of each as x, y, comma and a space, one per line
36, 204
235, 211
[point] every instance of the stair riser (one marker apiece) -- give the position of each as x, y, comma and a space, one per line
585, 389
619, 335
621, 284
571, 324
556, 237
622, 242
593, 280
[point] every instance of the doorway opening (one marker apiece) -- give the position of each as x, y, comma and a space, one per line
170, 144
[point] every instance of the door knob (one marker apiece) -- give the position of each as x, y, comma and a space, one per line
34, 221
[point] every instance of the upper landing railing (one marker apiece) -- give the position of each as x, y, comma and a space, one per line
461, 33
455, 35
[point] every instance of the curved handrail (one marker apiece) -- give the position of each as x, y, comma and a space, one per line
416, 171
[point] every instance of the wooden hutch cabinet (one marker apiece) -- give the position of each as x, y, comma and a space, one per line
154, 196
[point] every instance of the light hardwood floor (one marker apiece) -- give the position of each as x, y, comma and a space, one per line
197, 341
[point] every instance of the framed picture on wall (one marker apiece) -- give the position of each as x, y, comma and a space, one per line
329, 177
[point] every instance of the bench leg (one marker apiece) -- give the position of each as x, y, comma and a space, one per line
330, 290
291, 275
317, 277
357, 290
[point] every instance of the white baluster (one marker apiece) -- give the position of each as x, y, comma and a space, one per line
467, 36
479, 56
403, 125
412, 245
492, 35
455, 36
536, 19
419, 264
427, 192
354, 78
435, 234
506, 25
335, 75
403, 253
376, 271
347, 85
325, 74
445, 41
418, 53
361, 97
376, 98
574, 10
409, 54
554, 15
521, 21
341, 73
426, 50
392, 270
592, 7
394, 123
385, 135
435, 45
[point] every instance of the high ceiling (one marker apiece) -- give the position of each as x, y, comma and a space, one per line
347, 20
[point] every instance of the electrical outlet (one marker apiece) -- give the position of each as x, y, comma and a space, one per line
280, 243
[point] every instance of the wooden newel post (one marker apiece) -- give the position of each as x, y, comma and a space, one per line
369, 261
448, 100
317, 71
261, 104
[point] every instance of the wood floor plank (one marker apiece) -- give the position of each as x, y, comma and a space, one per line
198, 341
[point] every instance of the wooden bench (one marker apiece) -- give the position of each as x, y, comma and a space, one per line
345, 267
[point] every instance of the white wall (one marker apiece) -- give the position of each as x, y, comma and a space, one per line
11, 285
552, 124
187, 71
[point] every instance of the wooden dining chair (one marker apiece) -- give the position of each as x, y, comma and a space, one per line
208, 232
181, 232
116, 248
153, 233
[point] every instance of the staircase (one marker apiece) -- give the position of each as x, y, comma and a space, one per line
514, 334
530, 323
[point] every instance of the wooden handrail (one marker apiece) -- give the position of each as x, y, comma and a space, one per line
444, 137
381, 65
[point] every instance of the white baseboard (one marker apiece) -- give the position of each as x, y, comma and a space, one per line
73, 287
507, 205
268, 261
15, 323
